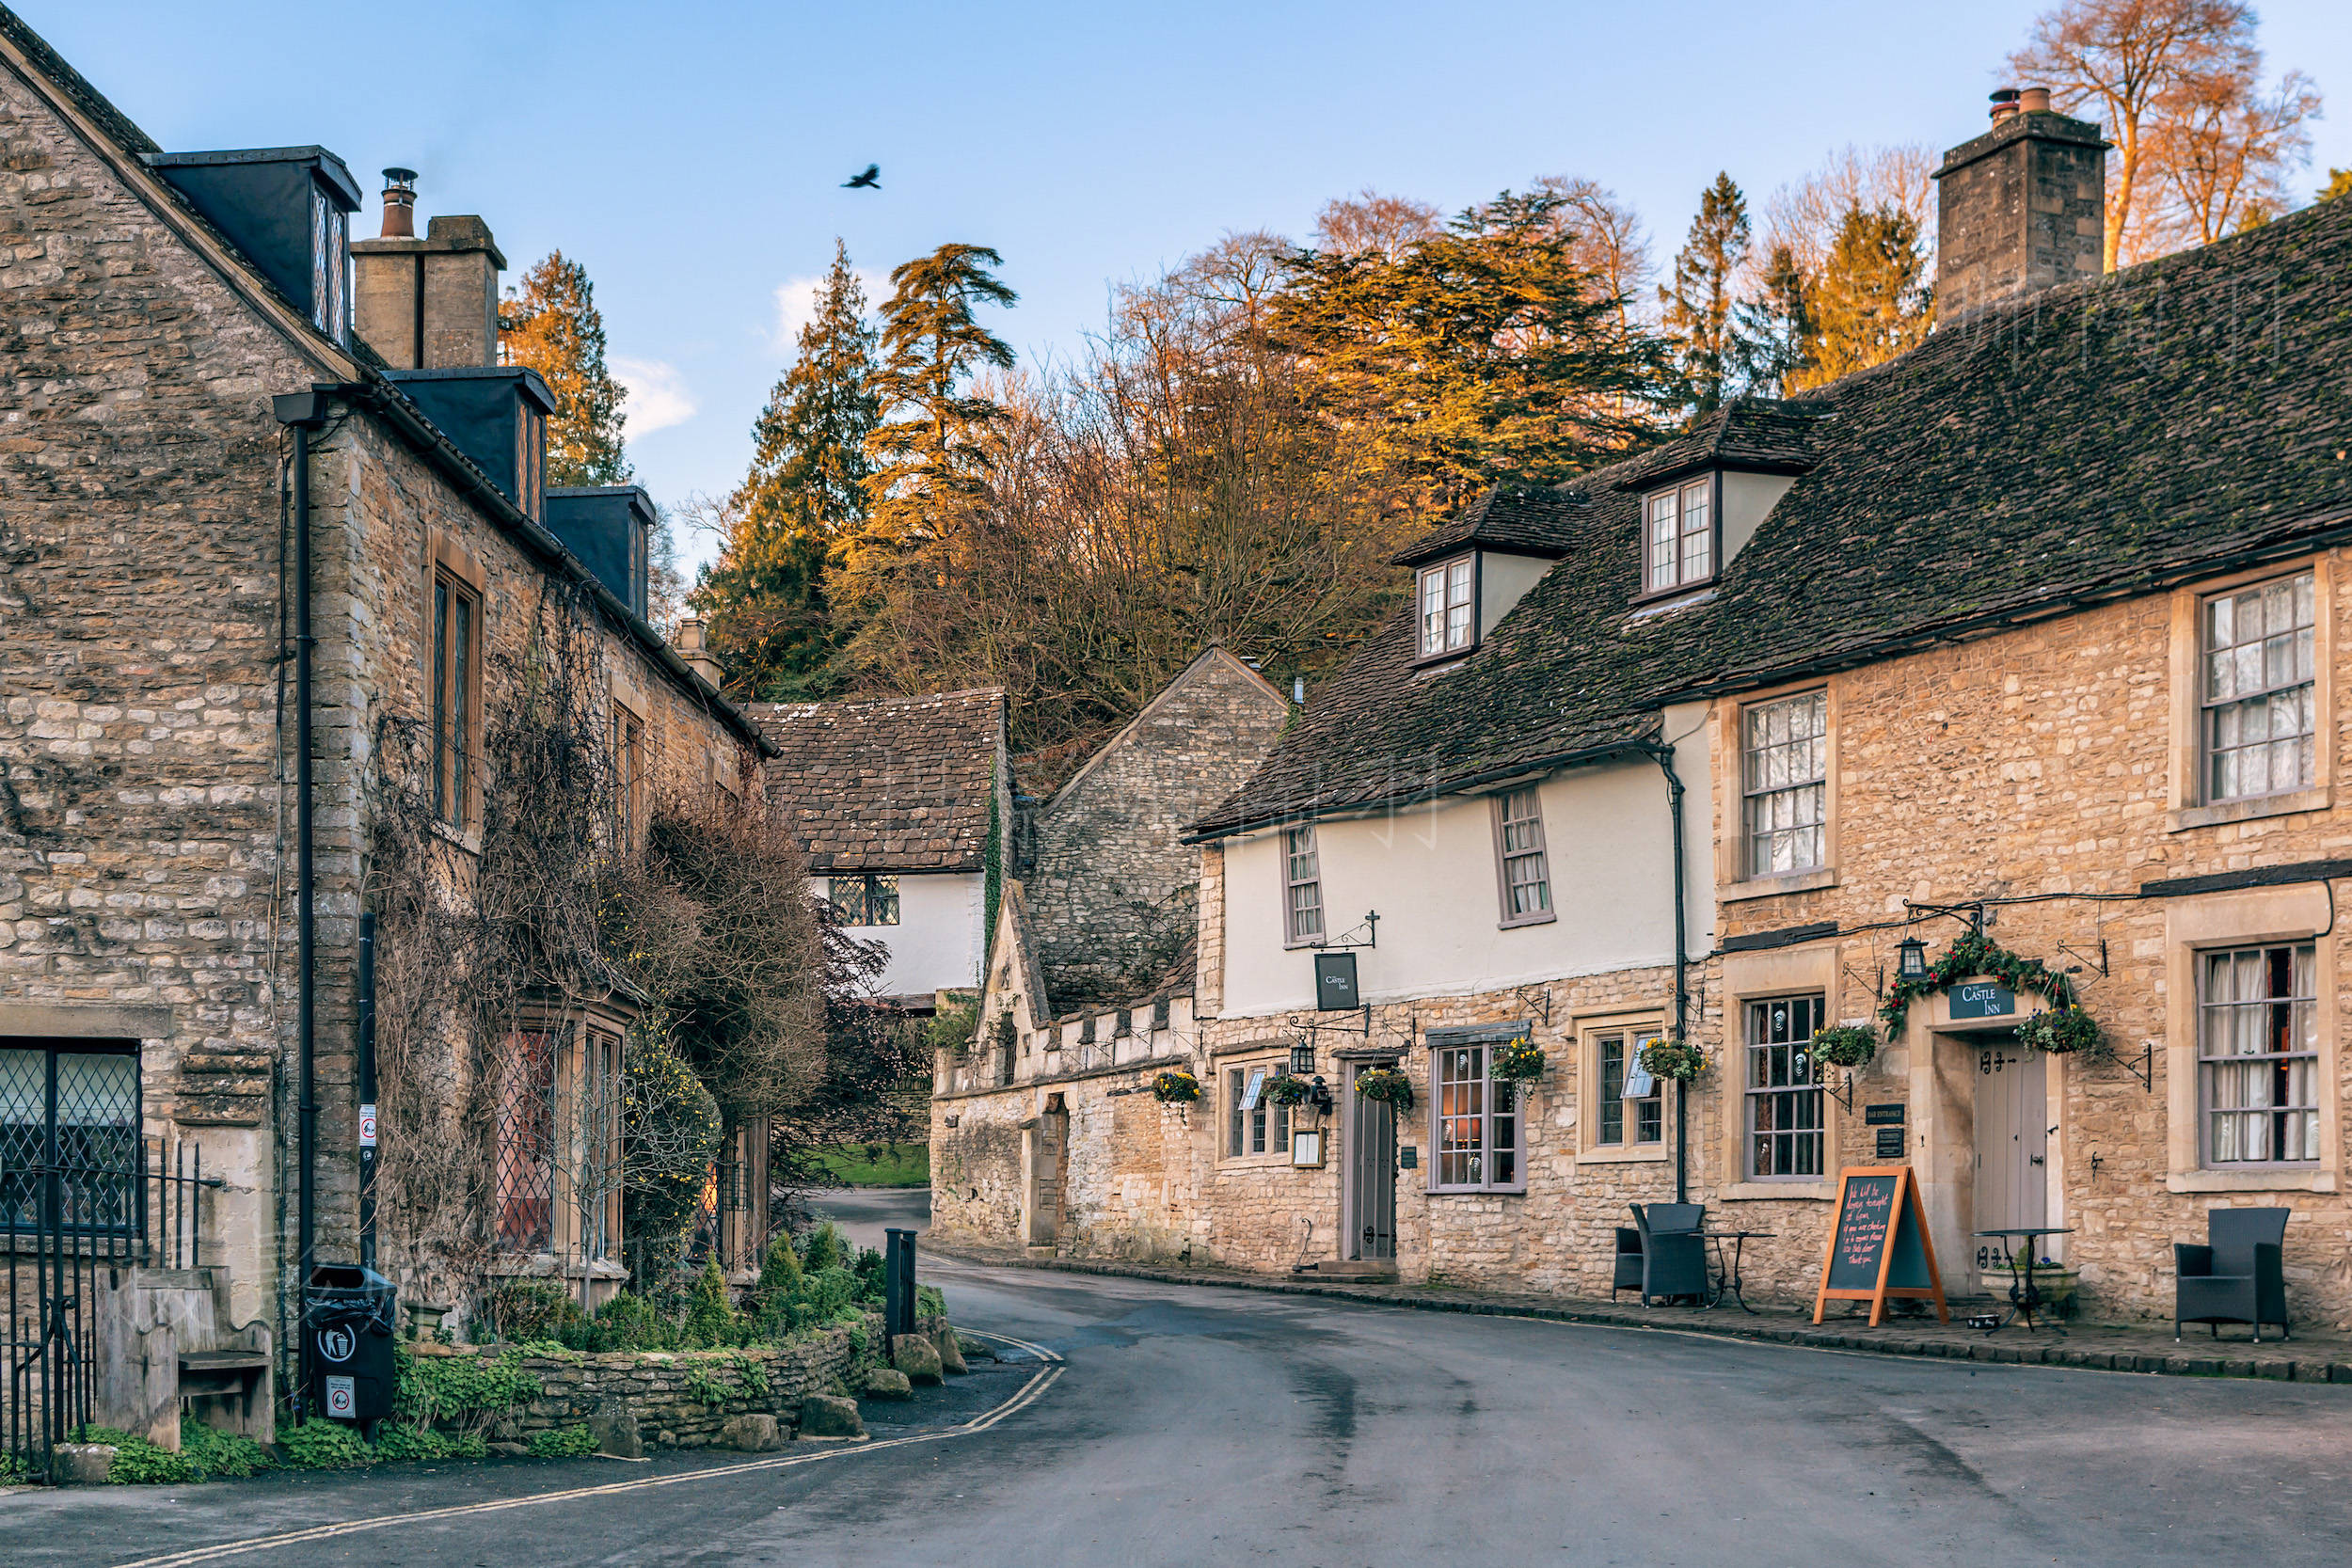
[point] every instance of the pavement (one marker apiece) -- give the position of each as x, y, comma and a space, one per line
1186, 1425
863, 1213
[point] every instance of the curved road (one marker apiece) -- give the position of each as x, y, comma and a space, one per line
1196, 1425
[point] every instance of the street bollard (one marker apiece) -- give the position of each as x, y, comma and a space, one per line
898, 1282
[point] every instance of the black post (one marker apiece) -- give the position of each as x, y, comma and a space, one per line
304, 412
898, 1282
367, 1089
1664, 755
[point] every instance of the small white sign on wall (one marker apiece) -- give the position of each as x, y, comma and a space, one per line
1307, 1147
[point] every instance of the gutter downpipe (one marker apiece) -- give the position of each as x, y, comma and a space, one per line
1664, 755
304, 412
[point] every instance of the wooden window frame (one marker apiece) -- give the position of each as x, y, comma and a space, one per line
866, 882
1443, 571
1731, 839
1821, 1130
1540, 853
1285, 856
628, 765
1442, 1044
1712, 483
2315, 1056
453, 666
1256, 1126
1634, 1029
2190, 808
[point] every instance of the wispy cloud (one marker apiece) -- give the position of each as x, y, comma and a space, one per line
655, 395
796, 304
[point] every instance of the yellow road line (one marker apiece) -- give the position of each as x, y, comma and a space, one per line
1029, 1394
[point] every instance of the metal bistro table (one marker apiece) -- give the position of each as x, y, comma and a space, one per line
1728, 1279
2023, 1294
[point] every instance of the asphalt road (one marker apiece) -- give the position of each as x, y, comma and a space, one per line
1196, 1425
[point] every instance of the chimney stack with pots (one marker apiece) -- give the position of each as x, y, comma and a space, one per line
2021, 208
428, 304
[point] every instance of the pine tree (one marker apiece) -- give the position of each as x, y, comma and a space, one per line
1699, 314
764, 599
551, 324
1871, 301
929, 469
2339, 184
1778, 338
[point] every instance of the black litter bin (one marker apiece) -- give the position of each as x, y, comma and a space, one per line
353, 1311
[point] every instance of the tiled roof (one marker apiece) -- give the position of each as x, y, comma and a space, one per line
1526, 522
894, 783
1754, 435
2112, 436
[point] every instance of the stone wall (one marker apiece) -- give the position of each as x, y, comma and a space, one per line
656, 1386
1111, 886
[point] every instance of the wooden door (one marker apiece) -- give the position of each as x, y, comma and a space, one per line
1370, 1217
2012, 1142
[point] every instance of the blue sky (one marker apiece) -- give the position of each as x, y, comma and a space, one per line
691, 152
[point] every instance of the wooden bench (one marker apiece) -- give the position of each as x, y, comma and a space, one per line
238, 1379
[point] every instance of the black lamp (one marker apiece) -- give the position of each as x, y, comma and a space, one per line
1911, 960
1303, 1058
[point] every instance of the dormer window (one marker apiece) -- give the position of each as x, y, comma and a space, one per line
1449, 598
1678, 537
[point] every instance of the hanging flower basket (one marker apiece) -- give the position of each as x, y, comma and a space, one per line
1676, 1059
1287, 1089
1845, 1045
1387, 1086
1520, 1061
2063, 1031
1175, 1086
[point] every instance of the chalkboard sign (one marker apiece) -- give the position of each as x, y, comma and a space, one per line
1878, 1244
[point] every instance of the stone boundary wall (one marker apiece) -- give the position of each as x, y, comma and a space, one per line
653, 1386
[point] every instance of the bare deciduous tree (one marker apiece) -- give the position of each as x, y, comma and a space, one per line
1368, 221
1607, 239
2177, 85
1806, 217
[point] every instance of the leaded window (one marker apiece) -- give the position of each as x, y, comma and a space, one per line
1785, 791
628, 756
1302, 886
1678, 537
1526, 872
1784, 1094
330, 263
2259, 697
1447, 611
73, 1112
1631, 1111
1477, 1121
1252, 1126
864, 900
2258, 1055
523, 1218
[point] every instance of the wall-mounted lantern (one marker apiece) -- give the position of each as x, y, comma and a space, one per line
1911, 960
1303, 1058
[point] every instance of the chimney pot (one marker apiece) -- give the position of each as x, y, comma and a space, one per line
2005, 104
400, 204
2034, 101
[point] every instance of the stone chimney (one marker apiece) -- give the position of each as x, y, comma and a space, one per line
2021, 208
429, 304
693, 647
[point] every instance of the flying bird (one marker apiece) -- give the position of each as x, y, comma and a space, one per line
869, 181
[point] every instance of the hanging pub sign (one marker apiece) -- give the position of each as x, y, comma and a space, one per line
1878, 1243
1335, 982
1982, 999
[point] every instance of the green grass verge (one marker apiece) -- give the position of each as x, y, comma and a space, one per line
880, 1164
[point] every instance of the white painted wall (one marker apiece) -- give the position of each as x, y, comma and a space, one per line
1503, 581
1430, 871
1747, 497
938, 940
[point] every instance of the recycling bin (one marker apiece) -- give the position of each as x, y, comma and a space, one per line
350, 1325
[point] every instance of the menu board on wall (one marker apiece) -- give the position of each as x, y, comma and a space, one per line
1878, 1243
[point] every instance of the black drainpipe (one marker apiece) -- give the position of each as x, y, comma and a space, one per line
304, 412
1664, 755
367, 1089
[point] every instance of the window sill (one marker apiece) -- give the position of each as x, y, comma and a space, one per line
1766, 887
1258, 1161
1544, 918
1477, 1191
1655, 597
1606, 1155
2279, 1179
1451, 655
470, 840
1803, 1191
2289, 804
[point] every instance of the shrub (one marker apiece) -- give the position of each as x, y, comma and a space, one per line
628, 1321
461, 1390
781, 1268
871, 1272
522, 1310
218, 1455
563, 1442
824, 1250
323, 1446
711, 1316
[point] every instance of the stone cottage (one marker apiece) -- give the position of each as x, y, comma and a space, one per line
1980, 706
231, 520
